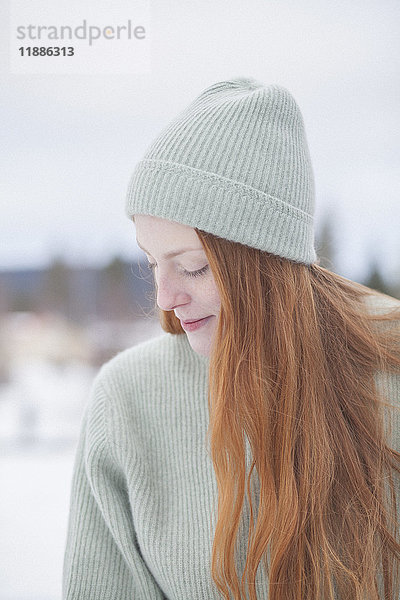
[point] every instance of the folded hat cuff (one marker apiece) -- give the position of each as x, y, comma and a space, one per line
225, 208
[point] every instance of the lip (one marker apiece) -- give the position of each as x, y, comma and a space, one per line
187, 321
193, 325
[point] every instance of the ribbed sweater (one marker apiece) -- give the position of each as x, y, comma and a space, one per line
144, 493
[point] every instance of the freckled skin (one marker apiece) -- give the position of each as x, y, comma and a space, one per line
189, 297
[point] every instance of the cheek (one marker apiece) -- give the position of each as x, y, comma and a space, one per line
213, 295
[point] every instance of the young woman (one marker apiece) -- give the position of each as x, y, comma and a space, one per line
252, 450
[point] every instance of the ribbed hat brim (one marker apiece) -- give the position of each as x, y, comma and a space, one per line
205, 200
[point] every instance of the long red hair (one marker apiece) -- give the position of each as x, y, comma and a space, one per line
295, 368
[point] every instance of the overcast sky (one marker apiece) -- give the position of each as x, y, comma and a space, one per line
70, 142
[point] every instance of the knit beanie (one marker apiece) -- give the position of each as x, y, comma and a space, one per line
234, 163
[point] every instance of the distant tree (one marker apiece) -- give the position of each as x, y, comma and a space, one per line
115, 272
115, 301
55, 292
395, 290
395, 285
325, 243
375, 279
21, 302
5, 295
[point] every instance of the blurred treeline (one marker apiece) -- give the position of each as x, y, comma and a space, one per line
118, 291
326, 248
62, 312
122, 290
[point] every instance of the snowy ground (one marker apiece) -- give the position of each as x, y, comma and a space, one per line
40, 413
33, 519
41, 404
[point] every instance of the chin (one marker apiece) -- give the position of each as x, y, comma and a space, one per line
201, 347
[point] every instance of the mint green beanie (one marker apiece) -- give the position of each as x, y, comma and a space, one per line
234, 163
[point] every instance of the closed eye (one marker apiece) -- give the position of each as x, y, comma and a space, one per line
197, 273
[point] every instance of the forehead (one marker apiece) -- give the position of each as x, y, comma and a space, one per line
171, 253
149, 224
161, 236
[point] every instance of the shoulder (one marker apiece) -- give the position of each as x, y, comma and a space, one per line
152, 359
387, 307
131, 377
142, 362
388, 382
132, 390
146, 371
379, 303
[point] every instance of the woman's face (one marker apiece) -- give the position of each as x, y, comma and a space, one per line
184, 282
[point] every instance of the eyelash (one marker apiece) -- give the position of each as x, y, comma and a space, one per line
187, 273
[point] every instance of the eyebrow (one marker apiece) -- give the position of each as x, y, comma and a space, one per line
174, 253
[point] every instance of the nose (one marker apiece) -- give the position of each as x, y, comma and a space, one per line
170, 293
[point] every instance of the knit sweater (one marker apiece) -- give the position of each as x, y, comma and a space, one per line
144, 492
